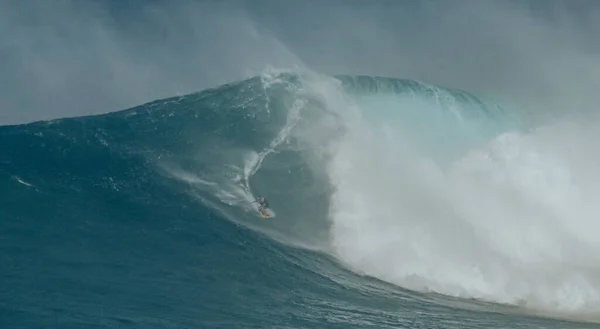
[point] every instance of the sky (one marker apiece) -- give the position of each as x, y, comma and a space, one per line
67, 58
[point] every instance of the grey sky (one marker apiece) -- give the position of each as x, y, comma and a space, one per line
69, 58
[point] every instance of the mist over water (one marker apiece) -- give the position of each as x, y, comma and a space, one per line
74, 58
511, 221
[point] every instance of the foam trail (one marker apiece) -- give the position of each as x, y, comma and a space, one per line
254, 160
22, 181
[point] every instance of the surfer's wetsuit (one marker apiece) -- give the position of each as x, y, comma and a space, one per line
262, 202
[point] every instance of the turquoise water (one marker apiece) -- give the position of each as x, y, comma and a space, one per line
143, 218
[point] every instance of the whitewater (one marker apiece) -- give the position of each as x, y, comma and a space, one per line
397, 203
437, 191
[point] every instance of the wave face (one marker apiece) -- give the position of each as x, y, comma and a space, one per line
396, 204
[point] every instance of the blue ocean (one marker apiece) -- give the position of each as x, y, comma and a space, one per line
396, 205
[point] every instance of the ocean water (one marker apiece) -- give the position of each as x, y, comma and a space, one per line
397, 205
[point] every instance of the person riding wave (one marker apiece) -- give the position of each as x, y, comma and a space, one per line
262, 203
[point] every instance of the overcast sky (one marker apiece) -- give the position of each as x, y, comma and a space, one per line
68, 58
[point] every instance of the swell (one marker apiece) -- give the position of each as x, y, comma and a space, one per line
330, 153
269, 135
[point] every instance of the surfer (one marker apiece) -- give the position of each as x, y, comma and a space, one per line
262, 206
262, 203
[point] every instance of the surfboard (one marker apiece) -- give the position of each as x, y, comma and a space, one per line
265, 213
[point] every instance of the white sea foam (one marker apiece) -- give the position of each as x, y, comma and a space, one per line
512, 220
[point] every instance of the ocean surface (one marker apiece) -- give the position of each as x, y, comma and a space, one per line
397, 205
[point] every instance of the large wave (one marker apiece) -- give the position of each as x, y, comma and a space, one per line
427, 188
